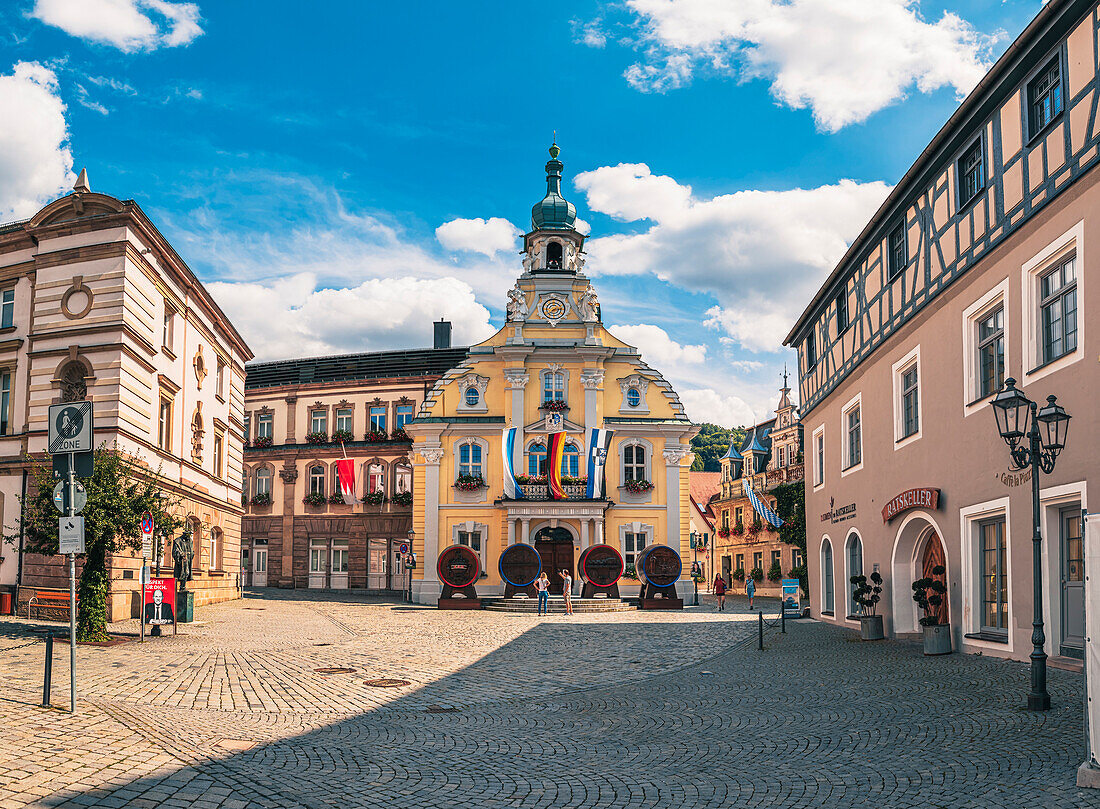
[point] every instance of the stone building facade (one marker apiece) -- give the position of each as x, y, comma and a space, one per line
95, 303
977, 268
553, 367
303, 415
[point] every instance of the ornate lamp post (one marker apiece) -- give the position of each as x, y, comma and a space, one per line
1018, 418
408, 567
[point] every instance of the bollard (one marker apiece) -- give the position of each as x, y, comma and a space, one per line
47, 675
782, 619
760, 631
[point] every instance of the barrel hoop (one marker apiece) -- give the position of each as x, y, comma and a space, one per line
461, 550
500, 565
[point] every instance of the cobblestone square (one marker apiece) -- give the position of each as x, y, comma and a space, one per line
505, 710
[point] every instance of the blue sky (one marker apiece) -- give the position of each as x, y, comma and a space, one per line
341, 174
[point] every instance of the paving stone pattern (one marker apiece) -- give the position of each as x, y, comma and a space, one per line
606, 710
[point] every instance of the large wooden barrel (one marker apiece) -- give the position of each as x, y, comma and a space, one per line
601, 565
659, 565
458, 566
520, 564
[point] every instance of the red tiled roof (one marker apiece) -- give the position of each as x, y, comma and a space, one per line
702, 487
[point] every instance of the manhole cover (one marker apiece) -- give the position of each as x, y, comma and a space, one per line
386, 682
440, 709
335, 670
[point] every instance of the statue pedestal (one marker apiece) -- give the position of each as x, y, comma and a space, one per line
185, 607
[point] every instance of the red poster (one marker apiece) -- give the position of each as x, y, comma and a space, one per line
159, 601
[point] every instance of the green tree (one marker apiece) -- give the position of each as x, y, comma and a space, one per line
790, 505
120, 490
711, 444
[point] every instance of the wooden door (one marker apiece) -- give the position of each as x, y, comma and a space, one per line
556, 555
933, 555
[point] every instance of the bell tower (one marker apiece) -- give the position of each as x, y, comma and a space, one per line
553, 245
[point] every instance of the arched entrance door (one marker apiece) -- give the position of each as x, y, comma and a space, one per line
933, 557
555, 548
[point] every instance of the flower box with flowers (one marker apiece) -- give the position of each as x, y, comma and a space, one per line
739, 529
554, 406
533, 487
629, 572
261, 499
315, 499
723, 532
637, 486
262, 442
753, 531
336, 499
374, 436
375, 498
469, 483
316, 438
402, 499
343, 437
400, 435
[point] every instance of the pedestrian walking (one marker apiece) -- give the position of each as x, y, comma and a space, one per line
542, 584
720, 591
750, 590
567, 591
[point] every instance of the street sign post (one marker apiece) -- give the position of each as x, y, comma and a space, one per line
146, 552
70, 435
61, 497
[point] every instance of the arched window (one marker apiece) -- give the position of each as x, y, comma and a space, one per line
536, 459
855, 567
827, 597
216, 546
263, 481
553, 255
571, 461
402, 479
317, 479
376, 478
634, 462
73, 386
553, 386
469, 459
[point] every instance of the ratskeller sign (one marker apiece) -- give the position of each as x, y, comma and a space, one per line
914, 498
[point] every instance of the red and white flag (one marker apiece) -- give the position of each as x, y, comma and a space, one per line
345, 470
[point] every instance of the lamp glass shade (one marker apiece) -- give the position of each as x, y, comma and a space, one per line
1012, 410
1054, 425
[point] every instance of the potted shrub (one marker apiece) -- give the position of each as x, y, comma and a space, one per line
757, 575
929, 594
775, 572
342, 437
629, 572
316, 438
314, 499
867, 593
377, 498
739, 574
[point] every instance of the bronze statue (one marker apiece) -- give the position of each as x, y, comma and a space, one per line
182, 551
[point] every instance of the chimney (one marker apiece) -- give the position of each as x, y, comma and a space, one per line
442, 334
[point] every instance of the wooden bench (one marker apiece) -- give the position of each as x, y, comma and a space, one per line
48, 598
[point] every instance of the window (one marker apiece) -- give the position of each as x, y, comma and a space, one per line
758, 560
971, 172
247, 427
910, 412
740, 562
7, 308
853, 437
472, 540
796, 558
220, 389
737, 516
169, 326
827, 597
402, 479
1058, 311
339, 556
264, 425
777, 558
725, 519
536, 459
376, 478
570, 462
343, 419
164, 424
469, 459
5, 402
216, 549
471, 397
263, 480
633, 462
317, 479
403, 414
378, 416
553, 386
633, 544
782, 457
819, 457
994, 583
318, 421
811, 351
991, 352
855, 568
633, 397
553, 255
898, 251
219, 453
842, 321
1044, 97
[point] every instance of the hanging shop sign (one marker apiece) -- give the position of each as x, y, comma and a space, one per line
914, 498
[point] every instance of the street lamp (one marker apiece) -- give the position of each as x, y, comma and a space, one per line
695, 565
408, 569
1018, 418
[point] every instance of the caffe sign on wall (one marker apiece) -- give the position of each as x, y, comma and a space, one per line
914, 498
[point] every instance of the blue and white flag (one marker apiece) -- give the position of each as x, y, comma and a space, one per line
599, 442
760, 506
507, 448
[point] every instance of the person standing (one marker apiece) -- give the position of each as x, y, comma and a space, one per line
720, 591
567, 591
750, 590
542, 585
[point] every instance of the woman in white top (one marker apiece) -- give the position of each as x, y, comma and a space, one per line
542, 585
567, 591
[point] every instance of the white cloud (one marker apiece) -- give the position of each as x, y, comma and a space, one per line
843, 59
129, 25
487, 236
35, 162
707, 405
762, 254
292, 317
658, 349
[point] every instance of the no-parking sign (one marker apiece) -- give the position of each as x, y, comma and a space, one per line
404, 547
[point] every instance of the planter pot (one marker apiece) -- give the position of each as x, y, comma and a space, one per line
870, 627
937, 639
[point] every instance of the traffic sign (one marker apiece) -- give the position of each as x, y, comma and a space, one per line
61, 497
70, 427
146, 523
83, 464
71, 534
404, 547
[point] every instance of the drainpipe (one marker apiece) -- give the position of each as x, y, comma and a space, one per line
22, 517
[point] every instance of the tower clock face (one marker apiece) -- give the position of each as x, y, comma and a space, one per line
553, 309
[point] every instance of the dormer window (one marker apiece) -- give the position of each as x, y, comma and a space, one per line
471, 393
633, 397
553, 256
472, 397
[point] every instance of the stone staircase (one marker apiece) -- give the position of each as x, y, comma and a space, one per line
557, 605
